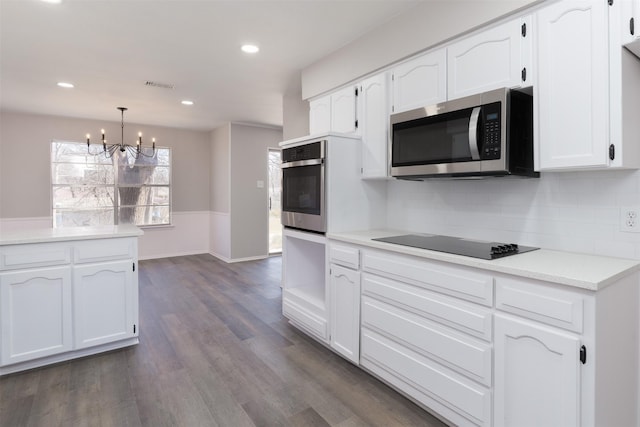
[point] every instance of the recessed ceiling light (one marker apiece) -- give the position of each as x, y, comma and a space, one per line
52, 1
250, 48
186, 102
65, 85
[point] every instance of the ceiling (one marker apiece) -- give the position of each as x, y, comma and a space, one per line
109, 48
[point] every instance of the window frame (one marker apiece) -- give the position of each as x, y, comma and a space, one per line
115, 187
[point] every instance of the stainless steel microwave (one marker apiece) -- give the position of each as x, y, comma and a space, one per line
489, 134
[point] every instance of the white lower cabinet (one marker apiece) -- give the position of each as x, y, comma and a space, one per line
482, 348
304, 290
434, 347
537, 374
104, 302
81, 299
35, 313
345, 312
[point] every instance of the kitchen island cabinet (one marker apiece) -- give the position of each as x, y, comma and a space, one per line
66, 293
540, 338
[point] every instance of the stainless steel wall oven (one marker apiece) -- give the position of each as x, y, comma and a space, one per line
303, 186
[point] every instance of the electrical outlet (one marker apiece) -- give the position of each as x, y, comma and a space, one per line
630, 219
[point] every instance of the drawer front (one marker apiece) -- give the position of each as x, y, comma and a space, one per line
426, 380
540, 302
104, 250
460, 282
347, 256
34, 255
463, 354
469, 318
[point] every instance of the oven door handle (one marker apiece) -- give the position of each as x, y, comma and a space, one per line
299, 163
473, 133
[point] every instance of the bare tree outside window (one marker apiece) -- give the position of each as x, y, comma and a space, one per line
97, 190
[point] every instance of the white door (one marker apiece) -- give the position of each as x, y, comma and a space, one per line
537, 375
35, 313
343, 110
374, 125
345, 312
571, 96
104, 300
489, 60
420, 82
320, 115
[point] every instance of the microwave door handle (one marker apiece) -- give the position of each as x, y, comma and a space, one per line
473, 133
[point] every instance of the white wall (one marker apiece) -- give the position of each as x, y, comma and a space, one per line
25, 147
220, 224
25, 144
577, 211
295, 112
249, 202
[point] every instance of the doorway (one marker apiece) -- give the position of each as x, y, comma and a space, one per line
275, 183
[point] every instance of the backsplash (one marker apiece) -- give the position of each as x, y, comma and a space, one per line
569, 211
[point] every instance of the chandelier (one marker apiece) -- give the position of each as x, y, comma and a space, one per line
110, 149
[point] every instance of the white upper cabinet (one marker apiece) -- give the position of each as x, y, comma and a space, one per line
630, 17
374, 124
498, 57
320, 115
421, 81
571, 94
585, 96
334, 113
343, 110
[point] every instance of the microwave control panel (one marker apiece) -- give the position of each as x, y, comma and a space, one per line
491, 139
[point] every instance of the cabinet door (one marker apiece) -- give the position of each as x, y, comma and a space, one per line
489, 60
537, 375
571, 96
104, 301
35, 314
345, 313
420, 82
320, 115
343, 110
629, 17
374, 125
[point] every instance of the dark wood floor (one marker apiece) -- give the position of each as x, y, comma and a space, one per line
214, 351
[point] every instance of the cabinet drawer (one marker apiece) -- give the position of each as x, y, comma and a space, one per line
104, 250
34, 255
347, 256
540, 302
463, 354
426, 381
460, 282
461, 315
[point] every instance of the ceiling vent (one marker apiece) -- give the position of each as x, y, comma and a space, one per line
158, 84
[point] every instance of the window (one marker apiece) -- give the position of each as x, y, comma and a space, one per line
92, 189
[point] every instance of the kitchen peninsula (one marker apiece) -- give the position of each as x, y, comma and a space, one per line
66, 293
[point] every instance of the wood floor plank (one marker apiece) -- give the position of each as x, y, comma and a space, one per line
214, 350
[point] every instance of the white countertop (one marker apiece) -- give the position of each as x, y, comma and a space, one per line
591, 272
43, 235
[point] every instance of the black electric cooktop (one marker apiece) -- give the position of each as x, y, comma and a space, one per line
458, 246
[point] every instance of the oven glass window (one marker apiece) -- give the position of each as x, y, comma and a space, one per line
302, 189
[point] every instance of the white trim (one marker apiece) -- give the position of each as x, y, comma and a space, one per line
234, 260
